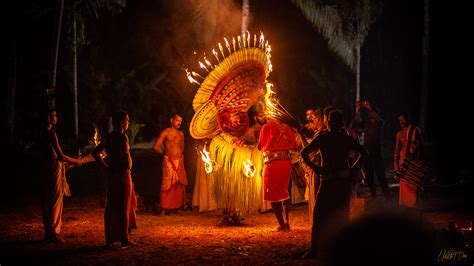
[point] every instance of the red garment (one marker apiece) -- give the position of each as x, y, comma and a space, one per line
120, 215
409, 145
132, 218
408, 194
276, 136
174, 182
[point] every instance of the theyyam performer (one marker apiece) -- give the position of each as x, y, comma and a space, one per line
230, 81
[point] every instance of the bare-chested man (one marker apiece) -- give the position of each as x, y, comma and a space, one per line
170, 143
409, 144
253, 133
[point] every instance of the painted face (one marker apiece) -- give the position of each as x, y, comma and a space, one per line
235, 120
176, 121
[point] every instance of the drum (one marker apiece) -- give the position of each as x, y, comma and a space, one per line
298, 171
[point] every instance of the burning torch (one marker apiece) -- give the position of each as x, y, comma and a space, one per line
249, 168
209, 165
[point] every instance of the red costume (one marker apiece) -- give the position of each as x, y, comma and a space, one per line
276, 139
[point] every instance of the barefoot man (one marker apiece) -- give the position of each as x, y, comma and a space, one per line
170, 143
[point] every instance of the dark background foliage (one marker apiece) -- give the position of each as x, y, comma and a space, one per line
135, 61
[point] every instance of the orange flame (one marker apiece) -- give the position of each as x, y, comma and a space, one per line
196, 74
222, 50
207, 62
203, 66
208, 164
270, 102
227, 45
96, 137
216, 55
244, 41
268, 95
249, 168
188, 74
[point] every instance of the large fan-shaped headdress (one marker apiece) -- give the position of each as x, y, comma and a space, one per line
231, 85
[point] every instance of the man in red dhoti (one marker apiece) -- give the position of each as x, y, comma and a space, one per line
174, 181
409, 144
120, 211
276, 140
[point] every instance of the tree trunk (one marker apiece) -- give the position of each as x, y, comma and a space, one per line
54, 59
424, 68
245, 16
358, 74
11, 91
357, 94
74, 55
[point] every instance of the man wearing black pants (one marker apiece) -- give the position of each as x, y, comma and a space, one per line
372, 130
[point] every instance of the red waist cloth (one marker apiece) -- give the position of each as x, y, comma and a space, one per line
174, 182
276, 176
408, 194
120, 217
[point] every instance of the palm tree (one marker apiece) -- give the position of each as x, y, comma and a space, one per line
80, 11
50, 91
424, 62
345, 24
10, 102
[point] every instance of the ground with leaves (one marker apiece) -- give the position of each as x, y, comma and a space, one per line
188, 237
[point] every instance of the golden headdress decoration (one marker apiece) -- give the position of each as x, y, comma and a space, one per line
233, 83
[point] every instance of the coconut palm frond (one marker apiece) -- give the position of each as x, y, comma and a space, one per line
362, 15
90, 8
114, 6
327, 19
345, 24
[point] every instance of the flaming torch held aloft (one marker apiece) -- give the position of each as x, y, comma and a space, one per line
96, 137
94, 142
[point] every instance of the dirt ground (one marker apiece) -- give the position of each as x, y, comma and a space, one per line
189, 237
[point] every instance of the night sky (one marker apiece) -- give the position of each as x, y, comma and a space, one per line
156, 37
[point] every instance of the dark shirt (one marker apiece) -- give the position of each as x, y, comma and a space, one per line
335, 148
118, 151
47, 140
372, 135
